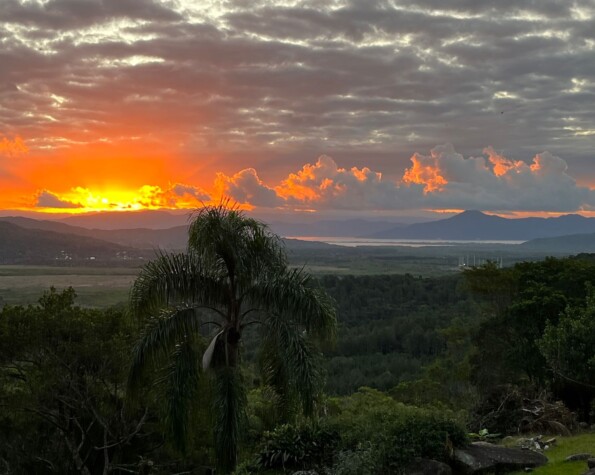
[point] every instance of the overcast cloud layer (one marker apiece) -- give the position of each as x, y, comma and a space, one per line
267, 87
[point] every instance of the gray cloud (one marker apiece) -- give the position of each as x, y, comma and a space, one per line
368, 82
47, 199
443, 179
73, 14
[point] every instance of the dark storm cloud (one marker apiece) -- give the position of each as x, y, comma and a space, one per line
369, 82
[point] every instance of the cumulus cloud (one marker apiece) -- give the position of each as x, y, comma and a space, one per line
47, 199
497, 183
194, 191
246, 187
443, 179
327, 185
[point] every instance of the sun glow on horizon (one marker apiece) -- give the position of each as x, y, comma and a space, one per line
84, 200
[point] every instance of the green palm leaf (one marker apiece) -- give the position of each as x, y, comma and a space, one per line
233, 274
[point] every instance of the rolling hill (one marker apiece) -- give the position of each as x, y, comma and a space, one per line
20, 245
139, 238
571, 244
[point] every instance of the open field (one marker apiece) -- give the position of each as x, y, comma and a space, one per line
430, 261
98, 286
95, 287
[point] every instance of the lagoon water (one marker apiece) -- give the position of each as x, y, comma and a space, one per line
354, 242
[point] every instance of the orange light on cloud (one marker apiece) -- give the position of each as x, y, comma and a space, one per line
13, 147
424, 174
503, 165
82, 200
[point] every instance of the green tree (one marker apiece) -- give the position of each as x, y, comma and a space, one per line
233, 275
62, 370
569, 349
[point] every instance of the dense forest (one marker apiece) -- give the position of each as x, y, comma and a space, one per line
415, 360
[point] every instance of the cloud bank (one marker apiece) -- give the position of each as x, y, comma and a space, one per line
443, 179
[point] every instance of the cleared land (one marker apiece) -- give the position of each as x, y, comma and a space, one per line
98, 286
95, 287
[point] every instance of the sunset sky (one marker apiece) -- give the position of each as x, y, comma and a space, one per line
346, 107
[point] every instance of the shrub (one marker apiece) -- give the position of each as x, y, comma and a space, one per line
397, 433
291, 447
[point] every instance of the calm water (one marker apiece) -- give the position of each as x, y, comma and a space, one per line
353, 242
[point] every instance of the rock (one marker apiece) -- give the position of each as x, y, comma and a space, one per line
427, 467
481, 457
575, 457
583, 425
590, 472
305, 472
591, 462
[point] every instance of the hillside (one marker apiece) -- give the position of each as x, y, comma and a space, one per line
139, 238
19, 245
571, 244
475, 225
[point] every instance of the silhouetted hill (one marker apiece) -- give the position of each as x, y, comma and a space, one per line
140, 238
22, 246
475, 225
146, 219
571, 244
332, 228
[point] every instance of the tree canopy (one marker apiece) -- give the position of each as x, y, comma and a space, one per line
196, 306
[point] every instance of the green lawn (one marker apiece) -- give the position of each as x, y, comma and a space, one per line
564, 447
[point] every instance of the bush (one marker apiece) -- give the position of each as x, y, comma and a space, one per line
397, 433
291, 447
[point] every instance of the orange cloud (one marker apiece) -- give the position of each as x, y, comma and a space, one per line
81, 199
425, 171
502, 165
324, 181
13, 147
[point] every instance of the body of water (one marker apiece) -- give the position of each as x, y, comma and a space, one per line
353, 242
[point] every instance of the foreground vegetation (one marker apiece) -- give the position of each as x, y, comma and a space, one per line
566, 446
418, 363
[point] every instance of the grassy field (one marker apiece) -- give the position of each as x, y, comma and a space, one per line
95, 286
583, 443
98, 286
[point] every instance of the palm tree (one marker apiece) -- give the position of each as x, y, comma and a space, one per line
234, 274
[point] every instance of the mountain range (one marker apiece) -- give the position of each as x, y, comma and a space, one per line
475, 225
24, 239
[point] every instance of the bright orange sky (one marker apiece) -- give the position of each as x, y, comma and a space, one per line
346, 108
134, 176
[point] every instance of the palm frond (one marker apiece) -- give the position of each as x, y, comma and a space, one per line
229, 411
175, 279
292, 363
159, 335
275, 376
291, 295
181, 380
240, 246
